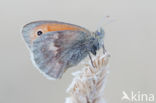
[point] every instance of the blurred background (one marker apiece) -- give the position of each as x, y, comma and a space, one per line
130, 39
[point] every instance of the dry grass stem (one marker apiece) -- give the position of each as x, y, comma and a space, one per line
88, 84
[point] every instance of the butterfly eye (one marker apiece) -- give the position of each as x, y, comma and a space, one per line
39, 33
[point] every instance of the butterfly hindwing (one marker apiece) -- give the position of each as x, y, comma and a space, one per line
52, 51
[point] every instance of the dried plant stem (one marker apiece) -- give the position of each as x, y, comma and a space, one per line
88, 84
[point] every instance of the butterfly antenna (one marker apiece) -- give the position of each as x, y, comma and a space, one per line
105, 21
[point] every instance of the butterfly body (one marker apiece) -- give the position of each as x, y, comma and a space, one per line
57, 46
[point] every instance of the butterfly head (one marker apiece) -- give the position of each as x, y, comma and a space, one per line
97, 41
99, 35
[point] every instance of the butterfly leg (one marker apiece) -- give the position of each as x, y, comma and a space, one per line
104, 50
91, 60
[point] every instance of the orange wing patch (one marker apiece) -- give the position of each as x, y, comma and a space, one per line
53, 27
60, 27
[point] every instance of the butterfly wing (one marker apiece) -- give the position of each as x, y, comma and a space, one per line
29, 30
52, 50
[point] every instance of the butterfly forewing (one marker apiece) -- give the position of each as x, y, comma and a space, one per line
29, 29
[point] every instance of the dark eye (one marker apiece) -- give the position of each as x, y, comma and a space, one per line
39, 33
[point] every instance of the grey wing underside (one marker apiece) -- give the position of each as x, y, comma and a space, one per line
52, 52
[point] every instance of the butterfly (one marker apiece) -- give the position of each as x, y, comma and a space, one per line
56, 46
